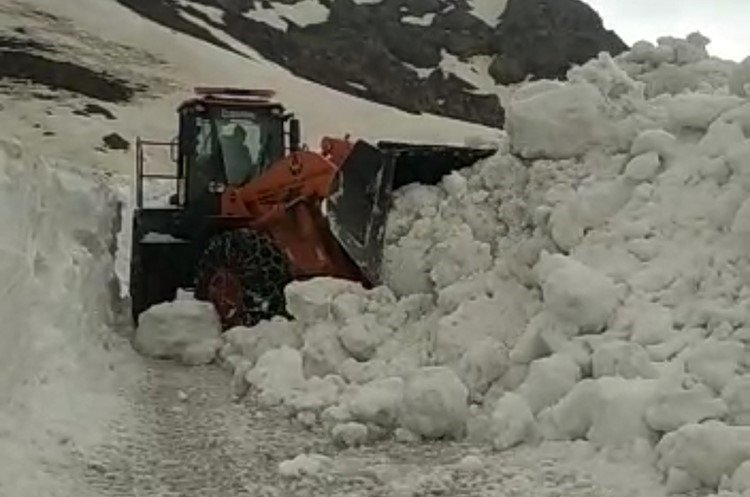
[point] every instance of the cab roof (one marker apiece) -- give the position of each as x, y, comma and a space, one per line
239, 98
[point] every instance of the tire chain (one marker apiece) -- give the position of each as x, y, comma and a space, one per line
262, 269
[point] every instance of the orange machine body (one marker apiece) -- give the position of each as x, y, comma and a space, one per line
285, 202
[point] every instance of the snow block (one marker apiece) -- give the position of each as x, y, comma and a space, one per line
575, 293
706, 452
316, 394
676, 407
361, 335
305, 465
251, 343
484, 362
185, 330
739, 79
556, 122
548, 380
277, 374
511, 422
736, 394
607, 411
311, 301
715, 362
643, 167
322, 353
350, 434
376, 402
434, 404
625, 359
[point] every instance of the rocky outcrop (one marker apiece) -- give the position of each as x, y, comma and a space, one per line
438, 56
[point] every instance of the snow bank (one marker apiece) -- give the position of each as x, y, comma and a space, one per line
585, 282
56, 263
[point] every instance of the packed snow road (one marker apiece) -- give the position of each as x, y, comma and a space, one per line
182, 436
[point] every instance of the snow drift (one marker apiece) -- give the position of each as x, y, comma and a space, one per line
56, 345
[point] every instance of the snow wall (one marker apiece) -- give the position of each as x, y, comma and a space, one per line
57, 350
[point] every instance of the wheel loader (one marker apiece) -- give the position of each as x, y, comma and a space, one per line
251, 209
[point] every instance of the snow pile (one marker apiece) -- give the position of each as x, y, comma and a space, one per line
586, 282
186, 330
56, 263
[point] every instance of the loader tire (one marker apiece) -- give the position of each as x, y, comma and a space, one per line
243, 274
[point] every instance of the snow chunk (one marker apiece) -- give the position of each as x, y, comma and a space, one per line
434, 403
557, 123
715, 362
741, 478
619, 418
470, 464
654, 140
277, 374
185, 330
305, 465
251, 343
707, 451
316, 394
511, 422
676, 407
697, 111
349, 434
484, 362
548, 380
311, 301
741, 223
608, 411
643, 167
576, 293
322, 353
739, 80
625, 359
737, 396
458, 257
376, 402
652, 324
361, 336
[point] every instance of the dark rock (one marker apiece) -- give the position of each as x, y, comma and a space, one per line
95, 109
368, 44
61, 75
114, 141
48, 133
506, 70
546, 37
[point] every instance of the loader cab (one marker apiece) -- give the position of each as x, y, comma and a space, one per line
228, 140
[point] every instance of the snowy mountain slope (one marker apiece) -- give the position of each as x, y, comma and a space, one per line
162, 67
379, 49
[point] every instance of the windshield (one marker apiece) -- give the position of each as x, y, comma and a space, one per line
244, 142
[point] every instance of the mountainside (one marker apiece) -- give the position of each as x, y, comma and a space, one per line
440, 56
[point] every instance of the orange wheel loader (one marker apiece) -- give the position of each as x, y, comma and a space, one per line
247, 216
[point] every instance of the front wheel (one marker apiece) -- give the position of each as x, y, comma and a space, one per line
243, 274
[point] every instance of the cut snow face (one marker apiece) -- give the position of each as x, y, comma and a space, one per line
57, 269
588, 281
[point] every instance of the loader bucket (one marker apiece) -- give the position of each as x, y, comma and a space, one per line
360, 198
